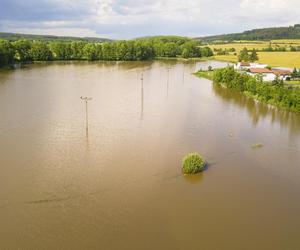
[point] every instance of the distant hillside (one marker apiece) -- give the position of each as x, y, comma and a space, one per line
292, 32
15, 36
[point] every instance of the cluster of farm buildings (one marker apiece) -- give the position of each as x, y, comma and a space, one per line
262, 70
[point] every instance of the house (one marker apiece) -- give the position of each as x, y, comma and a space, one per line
282, 74
267, 75
242, 66
247, 65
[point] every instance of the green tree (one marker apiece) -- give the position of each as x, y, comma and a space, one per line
170, 49
190, 49
98, 51
121, 50
159, 49
278, 81
89, 52
253, 56
244, 56
108, 51
7, 53
206, 52
143, 50
22, 50
61, 50
76, 50
40, 51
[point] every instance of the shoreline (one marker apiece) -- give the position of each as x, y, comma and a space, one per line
18, 65
210, 74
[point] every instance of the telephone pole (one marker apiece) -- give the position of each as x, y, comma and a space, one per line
142, 96
86, 100
168, 79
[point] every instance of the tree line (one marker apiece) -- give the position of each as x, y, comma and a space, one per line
245, 56
291, 32
275, 94
133, 50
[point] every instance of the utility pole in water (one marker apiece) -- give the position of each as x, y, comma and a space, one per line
142, 96
168, 81
86, 100
183, 75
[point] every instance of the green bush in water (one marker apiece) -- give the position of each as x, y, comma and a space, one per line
193, 163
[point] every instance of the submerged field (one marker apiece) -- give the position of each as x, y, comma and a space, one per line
119, 185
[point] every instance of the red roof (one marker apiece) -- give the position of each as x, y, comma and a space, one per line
260, 70
281, 72
245, 64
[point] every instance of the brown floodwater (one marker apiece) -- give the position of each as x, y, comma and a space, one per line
119, 184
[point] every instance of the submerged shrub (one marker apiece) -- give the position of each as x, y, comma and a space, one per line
193, 163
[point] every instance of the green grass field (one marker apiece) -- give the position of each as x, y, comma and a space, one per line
294, 82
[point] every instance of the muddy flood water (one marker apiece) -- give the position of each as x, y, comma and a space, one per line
119, 184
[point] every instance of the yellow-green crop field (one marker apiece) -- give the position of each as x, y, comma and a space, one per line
258, 45
239, 46
284, 59
279, 59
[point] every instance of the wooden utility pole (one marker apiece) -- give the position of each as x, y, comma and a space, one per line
142, 96
168, 79
86, 100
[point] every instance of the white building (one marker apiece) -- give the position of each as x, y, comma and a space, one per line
282, 74
266, 74
247, 65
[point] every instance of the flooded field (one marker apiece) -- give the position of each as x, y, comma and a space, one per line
118, 185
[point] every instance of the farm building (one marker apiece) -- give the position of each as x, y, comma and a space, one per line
282, 74
269, 75
247, 65
266, 74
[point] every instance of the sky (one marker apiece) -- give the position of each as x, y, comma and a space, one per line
126, 19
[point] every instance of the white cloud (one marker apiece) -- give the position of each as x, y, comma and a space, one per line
132, 18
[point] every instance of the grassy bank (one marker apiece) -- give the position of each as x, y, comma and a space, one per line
206, 74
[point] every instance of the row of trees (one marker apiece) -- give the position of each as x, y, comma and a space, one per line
276, 49
295, 48
291, 32
140, 49
276, 94
245, 56
220, 51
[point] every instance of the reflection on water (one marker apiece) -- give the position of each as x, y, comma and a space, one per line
257, 110
194, 179
108, 175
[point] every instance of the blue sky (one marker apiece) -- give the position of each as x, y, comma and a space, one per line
124, 19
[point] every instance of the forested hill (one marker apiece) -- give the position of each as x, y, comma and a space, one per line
15, 37
291, 32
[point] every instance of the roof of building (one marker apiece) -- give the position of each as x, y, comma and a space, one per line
281, 72
245, 64
261, 70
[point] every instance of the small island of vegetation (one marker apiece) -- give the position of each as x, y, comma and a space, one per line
193, 163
